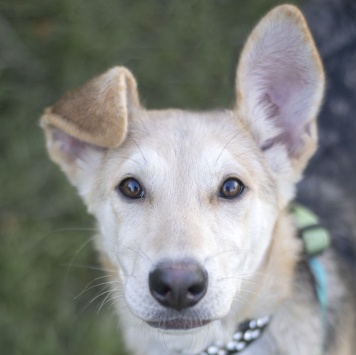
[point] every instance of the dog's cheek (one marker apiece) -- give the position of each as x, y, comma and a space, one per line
259, 229
106, 240
109, 215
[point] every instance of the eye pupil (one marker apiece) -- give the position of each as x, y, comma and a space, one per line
231, 188
131, 188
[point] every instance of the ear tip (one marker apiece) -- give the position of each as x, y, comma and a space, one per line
287, 10
125, 77
288, 21
119, 71
288, 14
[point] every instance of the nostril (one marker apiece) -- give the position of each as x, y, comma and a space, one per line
178, 285
161, 293
163, 290
159, 288
196, 289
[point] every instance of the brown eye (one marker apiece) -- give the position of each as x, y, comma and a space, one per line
231, 188
131, 188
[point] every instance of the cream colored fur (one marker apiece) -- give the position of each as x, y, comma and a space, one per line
99, 134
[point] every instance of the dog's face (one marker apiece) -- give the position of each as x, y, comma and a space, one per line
188, 203
197, 201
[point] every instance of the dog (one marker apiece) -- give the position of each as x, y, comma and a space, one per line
194, 208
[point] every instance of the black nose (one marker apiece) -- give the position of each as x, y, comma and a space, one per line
178, 285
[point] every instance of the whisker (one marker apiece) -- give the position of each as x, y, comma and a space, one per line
76, 254
92, 281
102, 303
236, 278
238, 130
223, 252
144, 158
228, 142
98, 296
239, 298
60, 230
94, 286
91, 301
252, 292
116, 300
138, 252
80, 266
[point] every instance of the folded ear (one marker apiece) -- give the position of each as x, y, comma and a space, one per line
89, 119
280, 84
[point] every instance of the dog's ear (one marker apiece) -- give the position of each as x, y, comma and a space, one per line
280, 84
90, 119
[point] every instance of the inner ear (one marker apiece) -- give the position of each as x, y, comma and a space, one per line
72, 149
283, 107
280, 82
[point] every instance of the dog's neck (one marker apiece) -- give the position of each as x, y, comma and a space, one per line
284, 254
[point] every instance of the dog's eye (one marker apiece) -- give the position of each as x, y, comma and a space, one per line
231, 188
131, 188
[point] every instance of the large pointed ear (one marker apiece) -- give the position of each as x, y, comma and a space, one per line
90, 119
280, 84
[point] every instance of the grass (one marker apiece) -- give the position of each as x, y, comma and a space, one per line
183, 54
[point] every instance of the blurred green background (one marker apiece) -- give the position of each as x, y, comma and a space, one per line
46, 48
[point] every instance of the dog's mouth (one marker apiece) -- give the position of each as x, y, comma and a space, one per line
178, 324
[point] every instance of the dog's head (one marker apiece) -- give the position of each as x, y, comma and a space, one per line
189, 204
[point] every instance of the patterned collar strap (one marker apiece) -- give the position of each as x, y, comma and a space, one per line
316, 238
247, 333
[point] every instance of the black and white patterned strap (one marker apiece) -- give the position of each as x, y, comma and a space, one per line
247, 333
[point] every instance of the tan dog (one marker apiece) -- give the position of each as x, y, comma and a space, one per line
192, 207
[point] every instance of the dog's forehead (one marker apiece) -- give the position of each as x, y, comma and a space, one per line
176, 143
187, 133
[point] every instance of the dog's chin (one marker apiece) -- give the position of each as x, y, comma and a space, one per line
178, 324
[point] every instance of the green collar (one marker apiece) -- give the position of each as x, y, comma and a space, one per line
315, 237
316, 240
